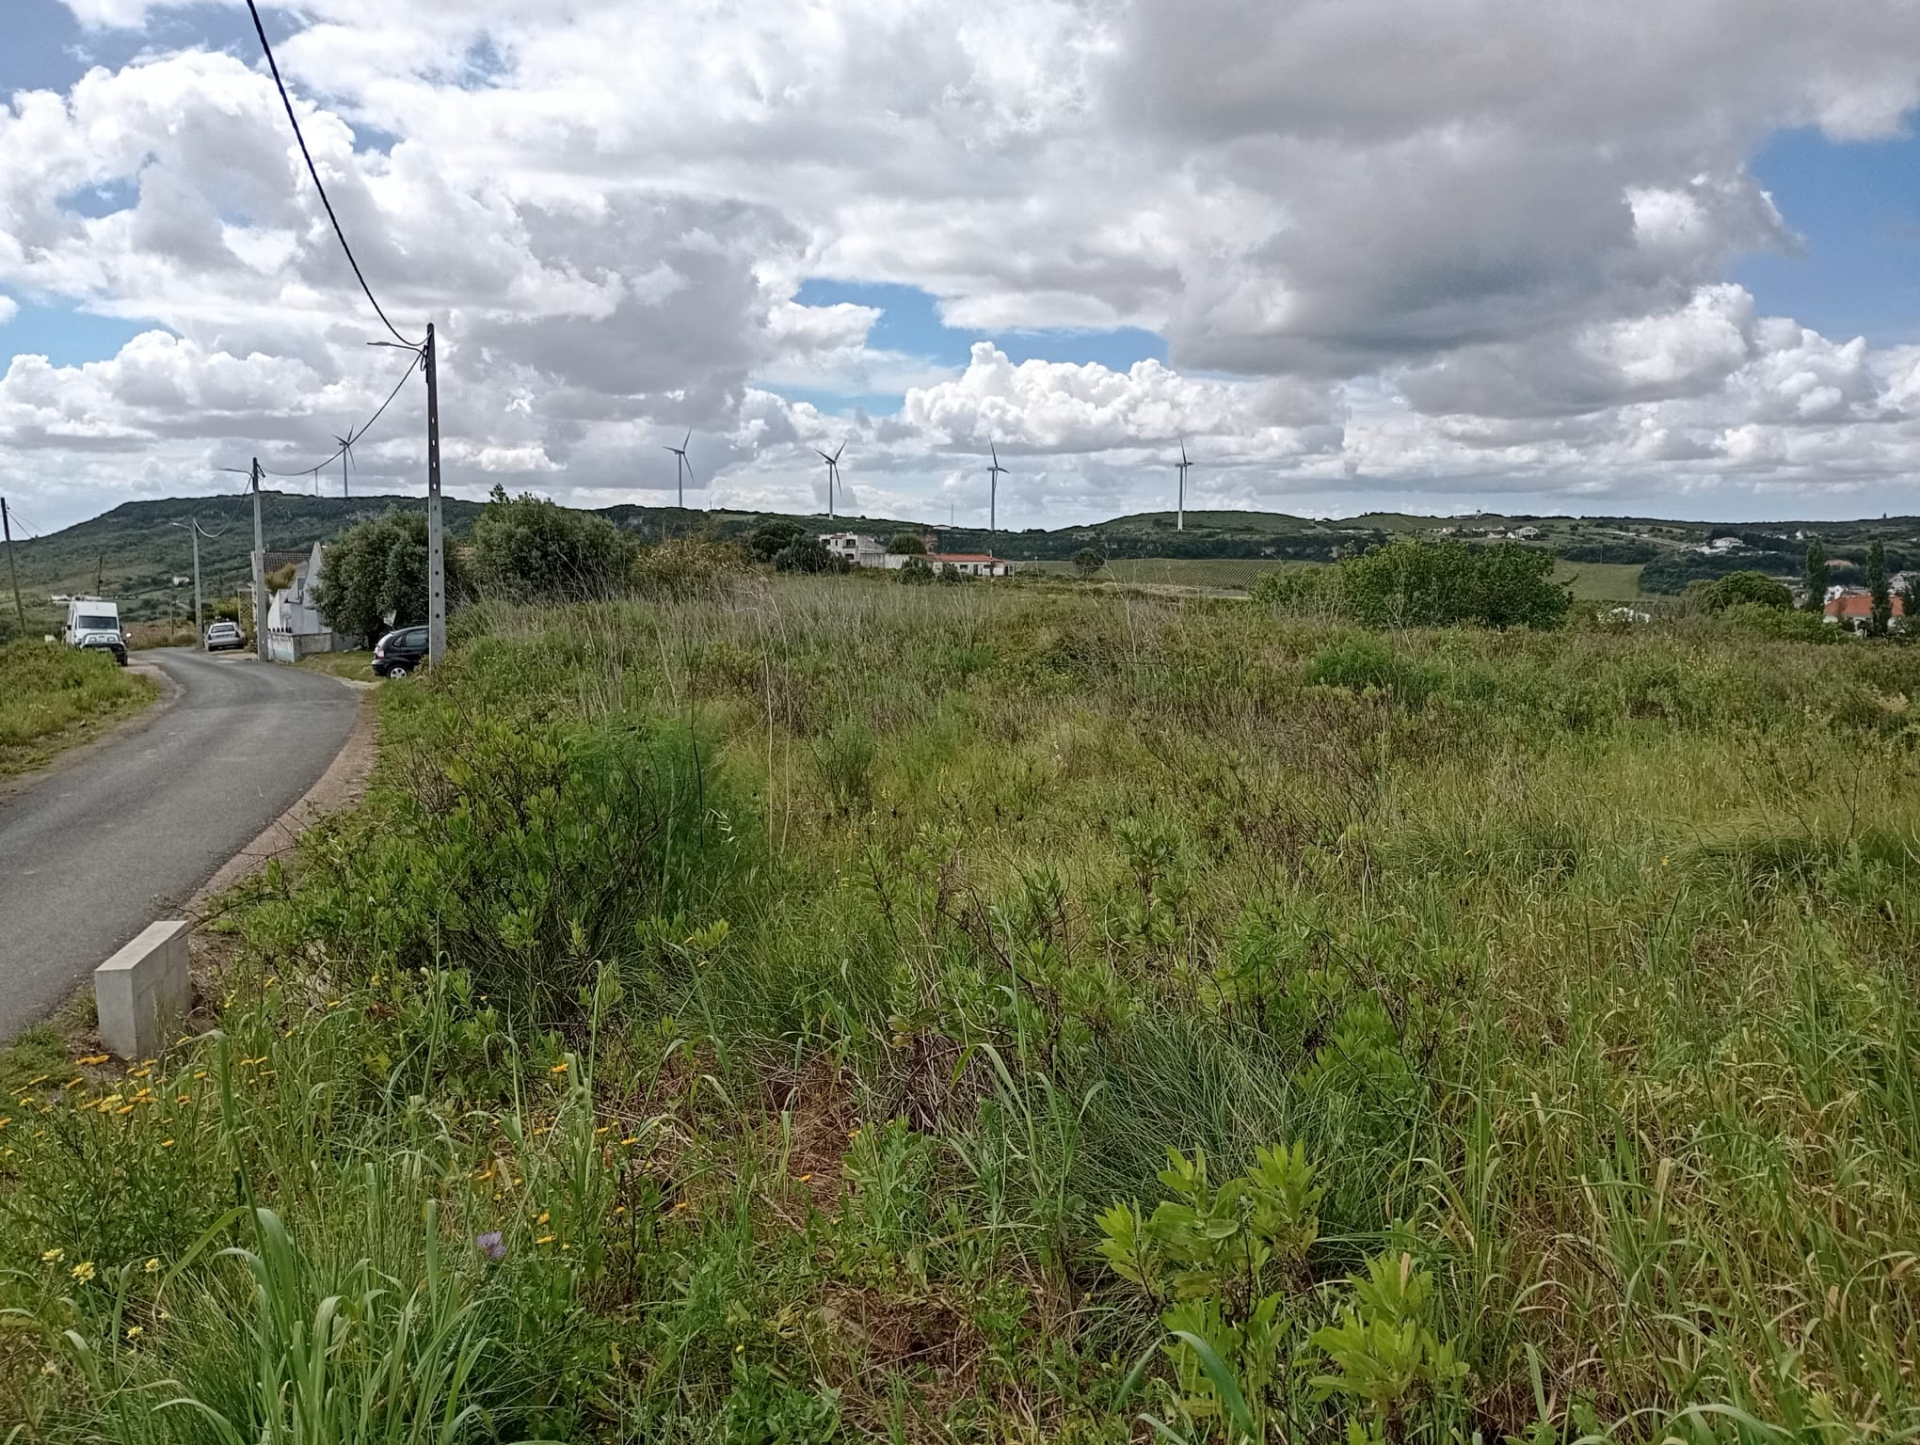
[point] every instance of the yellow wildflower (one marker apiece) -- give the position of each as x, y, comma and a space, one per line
630, 1140
166, 1143
52, 1256
544, 1217
545, 1239
153, 1265
134, 1332
82, 1271
559, 1068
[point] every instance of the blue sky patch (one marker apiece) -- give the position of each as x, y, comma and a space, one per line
1856, 205
911, 324
66, 336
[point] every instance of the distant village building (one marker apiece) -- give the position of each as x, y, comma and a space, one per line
1853, 608
1526, 534
1720, 546
969, 564
856, 549
295, 628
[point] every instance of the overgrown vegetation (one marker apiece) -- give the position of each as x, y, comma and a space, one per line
816, 1010
1413, 583
49, 694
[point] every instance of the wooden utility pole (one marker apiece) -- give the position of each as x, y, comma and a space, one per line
259, 572
13, 568
436, 542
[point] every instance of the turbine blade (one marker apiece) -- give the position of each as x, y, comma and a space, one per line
689, 441
837, 450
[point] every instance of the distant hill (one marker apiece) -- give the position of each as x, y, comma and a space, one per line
133, 555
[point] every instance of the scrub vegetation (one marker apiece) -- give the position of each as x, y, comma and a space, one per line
51, 694
807, 1008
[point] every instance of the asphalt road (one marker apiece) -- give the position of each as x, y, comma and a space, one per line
102, 845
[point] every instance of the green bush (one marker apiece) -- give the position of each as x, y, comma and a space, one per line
1411, 582
1360, 662
527, 549
528, 856
1741, 589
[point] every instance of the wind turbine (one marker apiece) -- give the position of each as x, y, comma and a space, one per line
682, 468
833, 472
993, 487
346, 457
1180, 515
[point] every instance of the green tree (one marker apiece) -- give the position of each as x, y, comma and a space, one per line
1877, 589
770, 539
1514, 587
916, 573
1089, 560
1738, 589
528, 549
908, 544
1817, 575
375, 576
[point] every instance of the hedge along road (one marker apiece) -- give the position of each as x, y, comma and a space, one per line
100, 846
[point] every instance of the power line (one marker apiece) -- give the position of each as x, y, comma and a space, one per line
314, 171
354, 436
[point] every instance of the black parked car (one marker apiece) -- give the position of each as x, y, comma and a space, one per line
400, 652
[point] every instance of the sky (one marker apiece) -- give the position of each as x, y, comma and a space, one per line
1518, 255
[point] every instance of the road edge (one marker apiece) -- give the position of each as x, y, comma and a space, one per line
342, 786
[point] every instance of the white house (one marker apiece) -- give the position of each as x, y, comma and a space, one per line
856, 549
294, 625
970, 564
1526, 534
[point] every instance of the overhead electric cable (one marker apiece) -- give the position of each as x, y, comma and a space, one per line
354, 436
314, 171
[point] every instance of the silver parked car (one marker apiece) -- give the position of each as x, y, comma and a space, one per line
225, 634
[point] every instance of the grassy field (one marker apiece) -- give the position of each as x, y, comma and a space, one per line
52, 697
1600, 581
832, 1011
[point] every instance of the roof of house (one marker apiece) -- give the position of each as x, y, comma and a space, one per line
1853, 605
961, 557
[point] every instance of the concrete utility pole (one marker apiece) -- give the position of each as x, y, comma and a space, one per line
192, 527
13, 569
436, 542
259, 573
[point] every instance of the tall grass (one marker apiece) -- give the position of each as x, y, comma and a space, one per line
793, 977
47, 691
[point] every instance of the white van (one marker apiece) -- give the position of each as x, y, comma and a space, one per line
93, 622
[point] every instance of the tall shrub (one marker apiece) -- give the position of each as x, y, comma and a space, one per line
528, 549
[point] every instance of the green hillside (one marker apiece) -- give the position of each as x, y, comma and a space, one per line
132, 553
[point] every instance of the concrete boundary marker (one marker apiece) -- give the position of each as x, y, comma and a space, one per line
144, 990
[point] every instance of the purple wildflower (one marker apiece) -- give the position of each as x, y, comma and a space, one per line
491, 1244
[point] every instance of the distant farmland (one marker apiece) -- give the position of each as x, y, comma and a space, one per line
1591, 581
